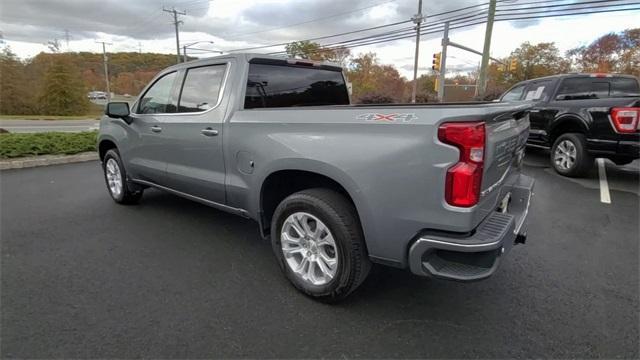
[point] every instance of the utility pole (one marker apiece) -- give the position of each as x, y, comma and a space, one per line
67, 37
443, 62
176, 23
106, 68
417, 19
482, 78
139, 47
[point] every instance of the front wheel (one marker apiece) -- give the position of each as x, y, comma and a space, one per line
115, 176
317, 239
569, 156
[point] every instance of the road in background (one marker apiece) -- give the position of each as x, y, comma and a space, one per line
32, 126
84, 277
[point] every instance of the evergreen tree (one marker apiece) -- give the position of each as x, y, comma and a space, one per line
14, 95
63, 91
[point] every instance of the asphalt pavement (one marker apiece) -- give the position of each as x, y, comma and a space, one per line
32, 126
82, 277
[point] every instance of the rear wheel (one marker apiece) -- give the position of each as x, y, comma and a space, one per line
317, 239
569, 156
115, 176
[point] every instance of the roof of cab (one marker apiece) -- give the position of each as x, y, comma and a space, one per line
562, 76
243, 57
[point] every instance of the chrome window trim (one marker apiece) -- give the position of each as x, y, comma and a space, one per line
225, 78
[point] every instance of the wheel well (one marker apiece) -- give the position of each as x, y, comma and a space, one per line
280, 184
566, 125
104, 146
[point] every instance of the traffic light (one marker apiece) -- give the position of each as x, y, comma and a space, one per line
436, 61
513, 65
436, 85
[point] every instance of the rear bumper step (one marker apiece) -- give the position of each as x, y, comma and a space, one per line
477, 256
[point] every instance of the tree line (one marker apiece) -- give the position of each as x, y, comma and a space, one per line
376, 82
57, 83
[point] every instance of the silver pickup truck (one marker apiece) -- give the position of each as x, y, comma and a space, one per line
336, 187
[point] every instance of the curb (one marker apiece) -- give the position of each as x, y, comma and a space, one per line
46, 160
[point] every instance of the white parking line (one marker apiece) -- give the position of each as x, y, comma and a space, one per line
605, 197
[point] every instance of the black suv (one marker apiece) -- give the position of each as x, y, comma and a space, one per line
582, 116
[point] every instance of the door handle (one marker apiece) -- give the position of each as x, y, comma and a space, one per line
209, 132
156, 129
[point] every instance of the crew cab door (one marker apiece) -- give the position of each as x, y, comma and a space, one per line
193, 135
540, 92
145, 155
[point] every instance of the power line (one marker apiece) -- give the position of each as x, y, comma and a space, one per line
325, 37
409, 31
471, 21
366, 29
519, 4
389, 38
585, 3
235, 36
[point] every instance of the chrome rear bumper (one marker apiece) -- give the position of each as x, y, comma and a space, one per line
477, 255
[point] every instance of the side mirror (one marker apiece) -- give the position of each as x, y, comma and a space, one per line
118, 110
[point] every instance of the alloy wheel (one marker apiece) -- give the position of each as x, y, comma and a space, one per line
114, 177
309, 248
565, 155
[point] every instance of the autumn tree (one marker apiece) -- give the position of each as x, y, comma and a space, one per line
314, 51
613, 52
369, 77
63, 92
533, 61
14, 90
426, 91
304, 50
538, 60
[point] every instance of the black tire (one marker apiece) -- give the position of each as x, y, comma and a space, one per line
583, 160
341, 218
130, 193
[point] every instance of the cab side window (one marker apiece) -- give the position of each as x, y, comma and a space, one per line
201, 88
157, 99
514, 94
583, 88
538, 91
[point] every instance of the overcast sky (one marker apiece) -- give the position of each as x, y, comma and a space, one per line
27, 25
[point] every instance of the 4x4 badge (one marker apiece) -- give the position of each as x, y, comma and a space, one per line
403, 117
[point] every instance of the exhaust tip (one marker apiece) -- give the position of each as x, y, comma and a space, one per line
521, 238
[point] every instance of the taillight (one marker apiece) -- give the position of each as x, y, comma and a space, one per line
464, 179
625, 120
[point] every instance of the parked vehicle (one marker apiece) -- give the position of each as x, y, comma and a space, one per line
436, 189
582, 116
97, 95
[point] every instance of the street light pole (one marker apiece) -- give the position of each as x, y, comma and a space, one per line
443, 62
186, 46
418, 20
106, 67
482, 77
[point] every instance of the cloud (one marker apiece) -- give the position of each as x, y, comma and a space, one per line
242, 20
235, 24
39, 21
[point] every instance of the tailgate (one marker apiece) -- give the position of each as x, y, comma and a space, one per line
506, 137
